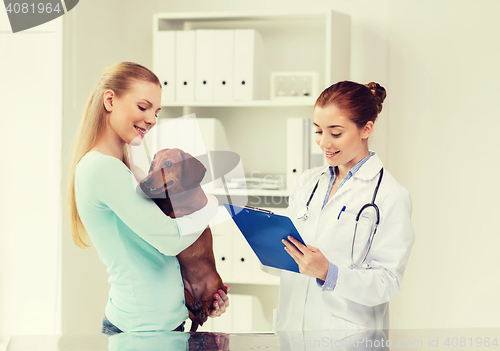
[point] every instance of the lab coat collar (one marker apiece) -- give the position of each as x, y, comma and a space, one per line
367, 172
370, 169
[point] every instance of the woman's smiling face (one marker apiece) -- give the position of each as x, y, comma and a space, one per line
342, 142
133, 114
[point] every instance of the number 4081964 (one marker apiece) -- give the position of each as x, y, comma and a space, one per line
471, 342
30, 8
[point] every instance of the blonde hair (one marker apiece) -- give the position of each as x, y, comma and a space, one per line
117, 78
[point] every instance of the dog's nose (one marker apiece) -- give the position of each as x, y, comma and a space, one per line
148, 182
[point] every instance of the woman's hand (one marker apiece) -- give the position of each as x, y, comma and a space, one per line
221, 303
310, 259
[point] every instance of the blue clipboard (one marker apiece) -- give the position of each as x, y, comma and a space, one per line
264, 232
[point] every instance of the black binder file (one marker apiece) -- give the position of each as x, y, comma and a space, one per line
264, 231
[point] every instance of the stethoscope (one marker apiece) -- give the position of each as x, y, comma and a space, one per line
303, 214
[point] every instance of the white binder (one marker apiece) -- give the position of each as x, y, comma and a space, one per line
185, 64
223, 64
248, 65
204, 72
243, 257
223, 231
164, 63
317, 157
298, 149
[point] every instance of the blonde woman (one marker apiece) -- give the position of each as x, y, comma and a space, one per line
135, 240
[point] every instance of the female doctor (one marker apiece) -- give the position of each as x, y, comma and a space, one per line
338, 287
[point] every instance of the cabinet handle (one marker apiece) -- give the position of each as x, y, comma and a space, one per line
243, 259
223, 258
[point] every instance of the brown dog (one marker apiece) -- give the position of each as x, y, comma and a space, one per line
173, 183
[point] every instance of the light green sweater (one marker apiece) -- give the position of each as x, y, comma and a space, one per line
138, 244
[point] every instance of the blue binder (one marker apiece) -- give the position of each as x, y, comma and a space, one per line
264, 232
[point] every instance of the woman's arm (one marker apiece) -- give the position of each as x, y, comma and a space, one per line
108, 184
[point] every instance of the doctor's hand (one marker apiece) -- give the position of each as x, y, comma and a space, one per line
221, 303
310, 259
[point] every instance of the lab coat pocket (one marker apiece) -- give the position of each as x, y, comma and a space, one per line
336, 236
337, 323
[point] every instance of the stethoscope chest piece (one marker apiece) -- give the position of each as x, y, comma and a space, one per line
303, 213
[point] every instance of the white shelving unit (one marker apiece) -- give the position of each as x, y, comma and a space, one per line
306, 41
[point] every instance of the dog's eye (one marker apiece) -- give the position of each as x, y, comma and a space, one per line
168, 164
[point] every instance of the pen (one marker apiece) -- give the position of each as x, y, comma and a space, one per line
342, 210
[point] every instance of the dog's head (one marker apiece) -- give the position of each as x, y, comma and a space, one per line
172, 171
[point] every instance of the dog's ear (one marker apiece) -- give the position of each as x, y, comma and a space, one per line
193, 171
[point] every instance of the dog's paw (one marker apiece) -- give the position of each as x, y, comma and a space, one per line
195, 306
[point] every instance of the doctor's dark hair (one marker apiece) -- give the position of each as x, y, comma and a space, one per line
361, 102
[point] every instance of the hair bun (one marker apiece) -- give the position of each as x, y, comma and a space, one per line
379, 94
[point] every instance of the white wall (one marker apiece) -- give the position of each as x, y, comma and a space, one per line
30, 163
444, 69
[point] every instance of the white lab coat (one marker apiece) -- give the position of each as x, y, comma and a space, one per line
360, 298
